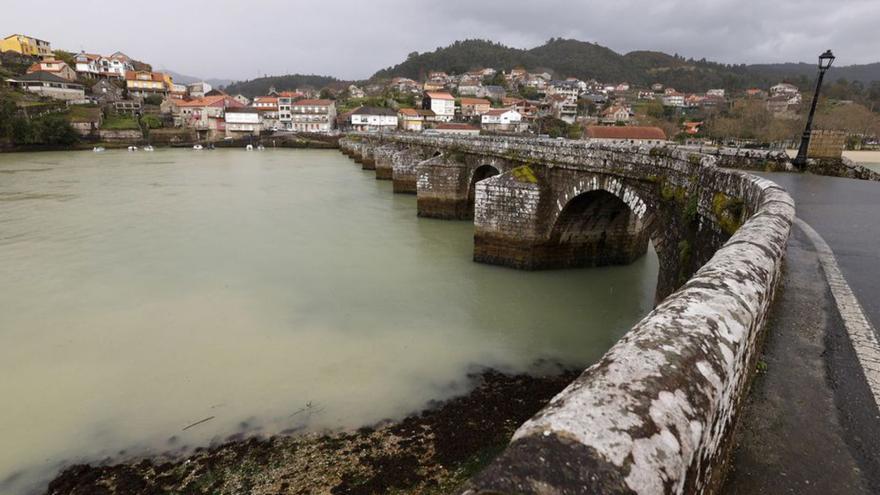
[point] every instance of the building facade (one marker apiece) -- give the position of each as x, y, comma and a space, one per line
312, 115
26, 45
374, 119
441, 103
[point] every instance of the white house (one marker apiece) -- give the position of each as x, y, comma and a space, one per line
115, 65
243, 121
374, 119
674, 100
441, 103
615, 113
86, 64
502, 119
313, 115
716, 92
784, 89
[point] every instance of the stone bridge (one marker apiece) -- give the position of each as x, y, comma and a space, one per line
656, 413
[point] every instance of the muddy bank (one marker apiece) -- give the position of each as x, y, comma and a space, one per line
432, 452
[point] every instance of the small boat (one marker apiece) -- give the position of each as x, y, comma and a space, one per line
132, 148
98, 149
260, 147
148, 148
198, 147
249, 147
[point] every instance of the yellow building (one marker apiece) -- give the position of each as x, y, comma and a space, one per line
26, 45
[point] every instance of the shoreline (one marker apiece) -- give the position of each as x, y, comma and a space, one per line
282, 142
433, 451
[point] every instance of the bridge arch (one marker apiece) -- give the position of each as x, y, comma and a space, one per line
480, 173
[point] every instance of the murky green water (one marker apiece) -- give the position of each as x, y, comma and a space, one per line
143, 292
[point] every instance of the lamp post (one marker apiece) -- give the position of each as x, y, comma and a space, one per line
825, 61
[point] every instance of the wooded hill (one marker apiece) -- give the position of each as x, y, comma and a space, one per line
573, 58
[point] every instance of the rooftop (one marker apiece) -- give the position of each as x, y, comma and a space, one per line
625, 132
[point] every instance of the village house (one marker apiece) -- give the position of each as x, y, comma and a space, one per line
615, 114
26, 45
626, 135
313, 115
474, 107
525, 107
621, 88
409, 119
405, 85
441, 103
673, 99
492, 92
86, 65
144, 83
129, 107
244, 100
355, 92
52, 66
469, 88
177, 91
374, 119
716, 92
205, 115
266, 102
116, 65
433, 86
198, 89
48, 84
456, 129
657, 88
563, 108
105, 92
784, 89
243, 121
646, 95
569, 89
503, 120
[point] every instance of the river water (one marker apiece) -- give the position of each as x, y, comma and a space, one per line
143, 292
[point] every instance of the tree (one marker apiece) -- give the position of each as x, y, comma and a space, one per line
151, 122
55, 130
153, 100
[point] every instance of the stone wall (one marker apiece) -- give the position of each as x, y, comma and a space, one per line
826, 144
656, 413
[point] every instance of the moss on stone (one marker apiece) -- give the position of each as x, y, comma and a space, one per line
525, 174
728, 212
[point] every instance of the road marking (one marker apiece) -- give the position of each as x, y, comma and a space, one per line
861, 332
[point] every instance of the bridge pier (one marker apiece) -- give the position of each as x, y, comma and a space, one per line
440, 189
383, 162
403, 171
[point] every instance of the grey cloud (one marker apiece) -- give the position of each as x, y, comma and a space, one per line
353, 38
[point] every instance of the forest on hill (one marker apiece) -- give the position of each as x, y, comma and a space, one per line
573, 58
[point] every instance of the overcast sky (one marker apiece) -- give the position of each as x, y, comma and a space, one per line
243, 39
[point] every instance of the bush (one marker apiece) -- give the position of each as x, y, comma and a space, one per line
151, 122
153, 100
51, 129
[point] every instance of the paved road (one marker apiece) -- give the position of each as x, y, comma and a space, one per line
846, 213
810, 424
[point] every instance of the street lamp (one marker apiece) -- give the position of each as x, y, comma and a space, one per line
825, 61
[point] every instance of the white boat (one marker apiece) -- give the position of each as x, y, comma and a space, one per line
261, 147
249, 147
198, 147
98, 149
148, 148
132, 148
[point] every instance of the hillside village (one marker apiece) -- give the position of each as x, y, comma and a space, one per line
113, 97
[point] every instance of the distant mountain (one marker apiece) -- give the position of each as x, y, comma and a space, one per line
184, 79
261, 86
573, 58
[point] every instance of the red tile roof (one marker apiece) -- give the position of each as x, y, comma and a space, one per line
475, 101
457, 127
412, 112
440, 95
313, 103
625, 132
495, 112
131, 75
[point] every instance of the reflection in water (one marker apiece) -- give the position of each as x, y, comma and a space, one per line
150, 302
